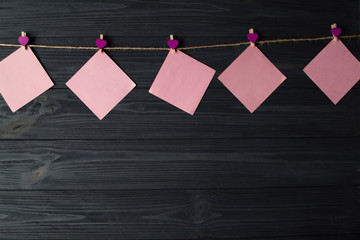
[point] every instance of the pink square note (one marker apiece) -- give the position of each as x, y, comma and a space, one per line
182, 81
334, 70
22, 78
100, 84
251, 78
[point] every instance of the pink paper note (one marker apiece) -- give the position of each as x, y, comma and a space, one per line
334, 70
22, 78
251, 78
100, 84
182, 81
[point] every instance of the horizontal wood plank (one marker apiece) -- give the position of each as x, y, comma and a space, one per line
182, 214
179, 164
152, 18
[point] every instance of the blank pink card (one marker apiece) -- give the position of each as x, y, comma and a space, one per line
22, 78
334, 70
182, 81
251, 78
100, 84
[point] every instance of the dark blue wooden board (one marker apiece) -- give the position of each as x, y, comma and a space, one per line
291, 170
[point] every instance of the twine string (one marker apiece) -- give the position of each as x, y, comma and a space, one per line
183, 48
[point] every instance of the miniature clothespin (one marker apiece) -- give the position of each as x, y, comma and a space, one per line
335, 31
23, 40
100, 42
252, 37
173, 43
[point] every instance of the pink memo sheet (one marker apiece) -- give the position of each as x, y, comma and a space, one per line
251, 78
334, 70
22, 78
100, 84
182, 81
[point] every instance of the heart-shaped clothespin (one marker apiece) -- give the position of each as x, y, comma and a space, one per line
173, 43
252, 37
23, 40
335, 31
101, 43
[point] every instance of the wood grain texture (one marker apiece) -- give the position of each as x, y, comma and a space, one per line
178, 164
291, 170
180, 214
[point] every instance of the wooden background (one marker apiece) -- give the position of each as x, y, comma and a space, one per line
291, 170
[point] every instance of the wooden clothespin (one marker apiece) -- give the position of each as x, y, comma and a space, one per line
335, 31
102, 38
252, 37
101, 43
251, 31
172, 38
173, 43
23, 34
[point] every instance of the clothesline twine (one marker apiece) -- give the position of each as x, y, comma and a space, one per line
183, 48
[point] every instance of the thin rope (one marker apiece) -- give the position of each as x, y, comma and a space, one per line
182, 48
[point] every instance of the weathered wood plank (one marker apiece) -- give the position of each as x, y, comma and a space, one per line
289, 171
179, 164
59, 114
152, 18
182, 214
